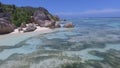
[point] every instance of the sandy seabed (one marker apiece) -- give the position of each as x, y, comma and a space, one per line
15, 37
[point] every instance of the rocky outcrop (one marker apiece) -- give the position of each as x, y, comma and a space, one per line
3, 15
30, 27
56, 17
41, 23
69, 25
44, 19
57, 25
41, 14
23, 25
5, 26
49, 23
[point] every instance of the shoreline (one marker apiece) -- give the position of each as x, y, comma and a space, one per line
16, 37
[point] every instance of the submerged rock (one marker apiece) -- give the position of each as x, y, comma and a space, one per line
69, 25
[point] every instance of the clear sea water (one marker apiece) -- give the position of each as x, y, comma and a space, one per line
93, 31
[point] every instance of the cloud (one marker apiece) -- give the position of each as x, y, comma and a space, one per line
90, 12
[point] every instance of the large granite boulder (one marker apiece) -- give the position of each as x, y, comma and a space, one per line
57, 25
69, 25
41, 23
6, 16
30, 27
23, 25
49, 23
5, 26
43, 18
41, 14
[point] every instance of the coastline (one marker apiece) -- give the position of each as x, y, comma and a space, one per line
15, 37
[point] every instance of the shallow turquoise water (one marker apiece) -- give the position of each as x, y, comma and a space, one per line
98, 30
28, 47
84, 54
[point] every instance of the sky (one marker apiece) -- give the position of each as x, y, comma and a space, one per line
74, 8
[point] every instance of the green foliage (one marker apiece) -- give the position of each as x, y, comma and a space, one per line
21, 14
18, 14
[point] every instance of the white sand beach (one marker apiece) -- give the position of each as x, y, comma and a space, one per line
15, 37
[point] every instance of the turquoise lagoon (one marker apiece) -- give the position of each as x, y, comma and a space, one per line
72, 42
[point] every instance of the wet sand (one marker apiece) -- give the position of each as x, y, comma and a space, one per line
15, 37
